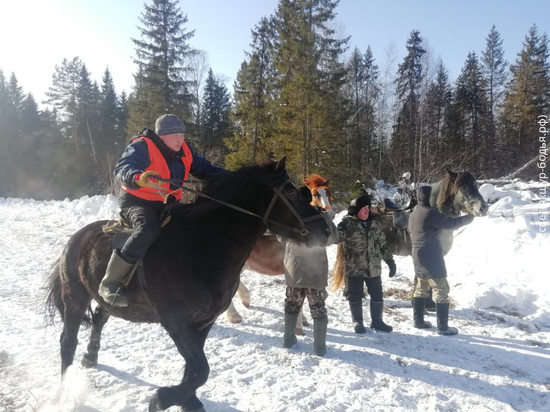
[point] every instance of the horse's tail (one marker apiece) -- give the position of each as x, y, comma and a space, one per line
337, 280
54, 301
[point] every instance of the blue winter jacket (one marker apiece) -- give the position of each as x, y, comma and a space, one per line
136, 159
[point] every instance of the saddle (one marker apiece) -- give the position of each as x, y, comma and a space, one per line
121, 230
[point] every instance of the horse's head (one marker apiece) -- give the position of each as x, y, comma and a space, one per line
290, 213
321, 194
458, 192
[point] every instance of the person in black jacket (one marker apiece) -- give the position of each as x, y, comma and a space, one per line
425, 226
162, 153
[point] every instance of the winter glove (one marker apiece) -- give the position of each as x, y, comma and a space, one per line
391, 265
147, 179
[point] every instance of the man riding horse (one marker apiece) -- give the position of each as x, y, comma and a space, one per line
162, 153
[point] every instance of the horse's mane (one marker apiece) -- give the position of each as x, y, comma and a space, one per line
314, 180
225, 186
450, 185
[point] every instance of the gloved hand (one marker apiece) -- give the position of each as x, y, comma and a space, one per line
391, 265
147, 179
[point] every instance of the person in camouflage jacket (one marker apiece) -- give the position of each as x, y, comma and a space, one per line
365, 247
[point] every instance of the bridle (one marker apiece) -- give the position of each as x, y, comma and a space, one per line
279, 193
265, 218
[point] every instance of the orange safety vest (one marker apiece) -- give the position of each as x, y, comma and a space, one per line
158, 164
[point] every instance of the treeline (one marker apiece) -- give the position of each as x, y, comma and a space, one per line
352, 119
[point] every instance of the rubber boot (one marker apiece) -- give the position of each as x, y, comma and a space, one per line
289, 340
356, 309
112, 288
418, 314
429, 304
320, 336
376, 309
443, 328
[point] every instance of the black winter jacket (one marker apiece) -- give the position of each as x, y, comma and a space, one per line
425, 226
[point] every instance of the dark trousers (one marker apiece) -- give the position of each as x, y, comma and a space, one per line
354, 288
145, 218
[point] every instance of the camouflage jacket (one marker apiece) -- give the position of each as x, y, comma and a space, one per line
364, 247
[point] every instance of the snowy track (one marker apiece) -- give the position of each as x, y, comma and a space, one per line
500, 361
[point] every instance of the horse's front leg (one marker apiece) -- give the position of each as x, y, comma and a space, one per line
99, 318
190, 344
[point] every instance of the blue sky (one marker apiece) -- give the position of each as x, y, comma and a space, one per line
38, 34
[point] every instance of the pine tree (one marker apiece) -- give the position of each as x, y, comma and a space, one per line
404, 145
495, 71
161, 55
526, 98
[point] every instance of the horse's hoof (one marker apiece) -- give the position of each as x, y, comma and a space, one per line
235, 320
246, 305
89, 361
299, 332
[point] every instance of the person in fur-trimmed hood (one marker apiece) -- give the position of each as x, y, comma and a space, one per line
425, 226
360, 253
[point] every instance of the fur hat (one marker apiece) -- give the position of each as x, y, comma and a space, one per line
358, 203
169, 124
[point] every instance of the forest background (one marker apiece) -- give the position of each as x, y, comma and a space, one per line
351, 119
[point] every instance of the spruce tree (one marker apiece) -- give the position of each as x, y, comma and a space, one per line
307, 100
471, 102
215, 116
495, 71
526, 98
438, 102
363, 93
253, 91
62, 95
161, 56
404, 145
30, 116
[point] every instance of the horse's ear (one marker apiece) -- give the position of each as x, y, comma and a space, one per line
326, 182
281, 165
451, 173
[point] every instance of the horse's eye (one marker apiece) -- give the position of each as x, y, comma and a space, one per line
292, 193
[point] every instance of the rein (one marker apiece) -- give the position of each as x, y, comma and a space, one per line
265, 219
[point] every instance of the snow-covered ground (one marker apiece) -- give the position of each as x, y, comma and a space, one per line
499, 272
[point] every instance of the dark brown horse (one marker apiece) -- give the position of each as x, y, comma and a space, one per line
192, 271
267, 256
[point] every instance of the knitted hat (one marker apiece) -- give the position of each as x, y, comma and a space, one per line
169, 124
358, 203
